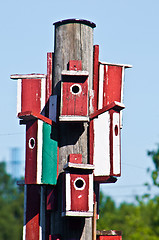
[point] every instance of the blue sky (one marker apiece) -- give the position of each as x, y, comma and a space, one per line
127, 32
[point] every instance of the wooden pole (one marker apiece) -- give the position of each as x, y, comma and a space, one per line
73, 41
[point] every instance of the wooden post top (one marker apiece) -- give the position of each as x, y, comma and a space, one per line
74, 20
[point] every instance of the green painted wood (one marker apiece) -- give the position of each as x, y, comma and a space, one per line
49, 155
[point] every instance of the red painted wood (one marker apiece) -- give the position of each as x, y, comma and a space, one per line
75, 158
113, 105
75, 104
112, 84
33, 212
51, 203
95, 76
31, 95
79, 198
48, 81
75, 65
91, 142
29, 115
109, 238
31, 153
104, 179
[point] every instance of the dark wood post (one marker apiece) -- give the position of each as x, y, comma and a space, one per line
73, 41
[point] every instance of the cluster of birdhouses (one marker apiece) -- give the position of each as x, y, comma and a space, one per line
97, 105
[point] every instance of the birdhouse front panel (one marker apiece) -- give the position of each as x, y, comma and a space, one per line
31, 93
111, 78
41, 153
74, 94
107, 156
78, 195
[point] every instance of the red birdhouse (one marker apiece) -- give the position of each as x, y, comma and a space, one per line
31, 93
78, 188
74, 94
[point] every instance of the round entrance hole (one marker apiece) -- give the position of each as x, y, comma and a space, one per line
116, 130
79, 184
75, 89
31, 143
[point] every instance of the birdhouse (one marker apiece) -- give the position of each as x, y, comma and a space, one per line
109, 235
30, 93
41, 153
78, 189
106, 119
74, 94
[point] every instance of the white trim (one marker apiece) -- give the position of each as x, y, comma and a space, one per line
75, 73
116, 64
79, 166
68, 192
73, 118
79, 188
122, 95
101, 81
23, 76
77, 214
74, 85
43, 88
116, 144
90, 196
19, 96
39, 150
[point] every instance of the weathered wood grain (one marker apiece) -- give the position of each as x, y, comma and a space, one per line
73, 41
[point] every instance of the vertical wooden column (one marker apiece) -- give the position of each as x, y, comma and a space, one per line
73, 41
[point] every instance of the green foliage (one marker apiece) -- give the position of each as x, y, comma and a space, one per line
135, 221
11, 207
155, 173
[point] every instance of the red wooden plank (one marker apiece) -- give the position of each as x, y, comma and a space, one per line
48, 81
79, 192
75, 158
75, 65
31, 152
29, 115
91, 142
75, 98
95, 76
32, 212
109, 238
112, 84
113, 105
31, 95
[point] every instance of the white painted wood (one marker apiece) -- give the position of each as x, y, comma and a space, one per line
39, 150
73, 118
90, 196
79, 166
122, 95
43, 92
53, 108
68, 192
77, 214
75, 73
116, 64
23, 76
101, 145
101, 81
25, 207
19, 96
116, 144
